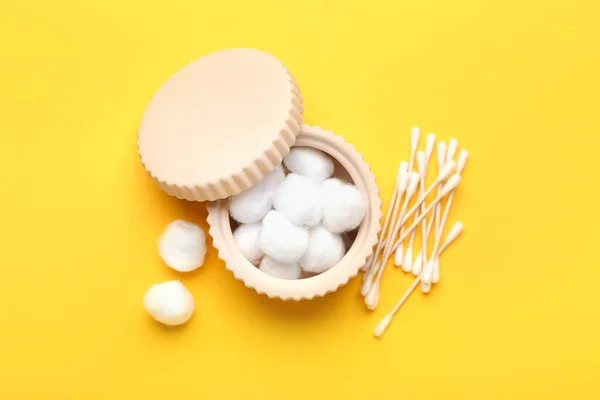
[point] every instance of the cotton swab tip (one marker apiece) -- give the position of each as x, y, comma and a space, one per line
413, 183
367, 284
407, 262
402, 181
447, 170
398, 256
415, 133
462, 161
429, 144
452, 147
382, 326
421, 163
456, 230
436, 270
417, 266
452, 183
441, 155
372, 298
427, 275
425, 287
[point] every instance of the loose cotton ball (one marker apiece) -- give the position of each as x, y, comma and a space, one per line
169, 303
251, 205
299, 200
325, 249
182, 246
343, 206
278, 269
281, 239
308, 162
246, 238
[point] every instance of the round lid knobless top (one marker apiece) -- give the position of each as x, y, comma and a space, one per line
221, 123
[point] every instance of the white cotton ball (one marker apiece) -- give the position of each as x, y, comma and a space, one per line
308, 162
182, 246
278, 269
324, 250
343, 206
281, 239
169, 302
251, 205
299, 200
272, 180
246, 238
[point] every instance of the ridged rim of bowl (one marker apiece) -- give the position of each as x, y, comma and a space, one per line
341, 273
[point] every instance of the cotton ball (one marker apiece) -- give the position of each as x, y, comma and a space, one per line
343, 206
308, 162
169, 302
251, 205
324, 250
281, 239
182, 246
299, 200
246, 238
272, 180
278, 269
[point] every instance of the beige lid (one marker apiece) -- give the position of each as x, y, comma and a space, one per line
221, 123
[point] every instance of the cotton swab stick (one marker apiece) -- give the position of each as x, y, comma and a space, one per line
371, 286
457, 228
385, 322
460, 166
400, 187
441, 160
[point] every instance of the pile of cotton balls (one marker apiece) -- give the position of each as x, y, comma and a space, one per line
294, 223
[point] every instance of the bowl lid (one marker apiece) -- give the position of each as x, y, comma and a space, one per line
220, 124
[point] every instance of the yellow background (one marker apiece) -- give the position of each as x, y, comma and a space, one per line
516, 314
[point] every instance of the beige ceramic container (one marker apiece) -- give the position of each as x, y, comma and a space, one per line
218, 126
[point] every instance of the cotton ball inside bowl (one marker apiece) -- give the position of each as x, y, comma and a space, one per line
325, 249
169, 303
182, 246
272, 180
246, 238
282, 240
308, 162
278, 269
251, 205
299, 199
343, 205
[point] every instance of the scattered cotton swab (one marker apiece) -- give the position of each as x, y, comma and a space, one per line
182, 246
426, 276
169, 303
422, 164
372, 283
387, 319
441, 160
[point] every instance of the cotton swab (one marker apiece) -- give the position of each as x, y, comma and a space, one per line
460, 166
441, 160
400, 187
371, 287
385, 322
423, 167
426, 276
